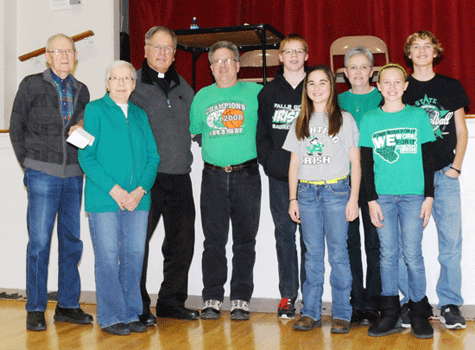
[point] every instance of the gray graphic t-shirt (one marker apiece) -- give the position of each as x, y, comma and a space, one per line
323, 157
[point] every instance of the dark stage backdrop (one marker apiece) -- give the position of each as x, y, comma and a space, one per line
320, 22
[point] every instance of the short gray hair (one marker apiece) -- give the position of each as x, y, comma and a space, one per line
57, 36
151, 32
118, 63
359, 50
223, 45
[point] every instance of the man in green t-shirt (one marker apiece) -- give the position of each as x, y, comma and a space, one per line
225, 114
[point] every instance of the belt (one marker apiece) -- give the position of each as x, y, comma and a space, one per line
236, 167
334, 181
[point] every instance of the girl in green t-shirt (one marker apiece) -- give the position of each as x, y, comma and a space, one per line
397, 171
323, 141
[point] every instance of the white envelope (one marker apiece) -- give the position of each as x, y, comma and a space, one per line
81, 138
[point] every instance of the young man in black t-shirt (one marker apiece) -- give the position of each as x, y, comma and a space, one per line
279, 105
444, 99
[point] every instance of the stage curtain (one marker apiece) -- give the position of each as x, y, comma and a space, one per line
320, 22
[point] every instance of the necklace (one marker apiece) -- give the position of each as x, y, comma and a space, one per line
360, 102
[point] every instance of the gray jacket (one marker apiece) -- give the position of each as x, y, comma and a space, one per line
169, 117
37, 129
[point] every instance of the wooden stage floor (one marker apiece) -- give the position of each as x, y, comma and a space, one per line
263, 331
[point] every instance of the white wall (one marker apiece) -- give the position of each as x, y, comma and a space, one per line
7, 59
27, 24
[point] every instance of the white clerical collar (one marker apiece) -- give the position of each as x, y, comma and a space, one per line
161, 75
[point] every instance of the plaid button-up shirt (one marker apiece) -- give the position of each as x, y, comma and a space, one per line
66, 96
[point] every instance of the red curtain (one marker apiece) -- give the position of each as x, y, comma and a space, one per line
320, 22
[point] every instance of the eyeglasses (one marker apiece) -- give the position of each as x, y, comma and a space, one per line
116, 79
290, 52
362, 67
168, 49
226, 61
69, 52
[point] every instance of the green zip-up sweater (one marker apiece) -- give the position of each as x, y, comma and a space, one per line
124, 153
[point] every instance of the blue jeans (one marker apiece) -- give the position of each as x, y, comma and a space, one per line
402, 277
364, 298
285, 228
118, 239
401, 217
224, 196
322, 214
447, 214
48, 197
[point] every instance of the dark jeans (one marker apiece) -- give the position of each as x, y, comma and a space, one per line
172, 198
285, 228
236, 196
361, 298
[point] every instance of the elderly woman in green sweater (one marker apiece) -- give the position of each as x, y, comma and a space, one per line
120, 169
361, 98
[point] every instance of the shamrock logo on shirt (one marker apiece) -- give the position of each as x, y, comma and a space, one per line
317, 147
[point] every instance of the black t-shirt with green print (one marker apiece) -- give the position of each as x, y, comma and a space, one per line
440, 97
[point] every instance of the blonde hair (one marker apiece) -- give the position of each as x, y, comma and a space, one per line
422, 34
392, 65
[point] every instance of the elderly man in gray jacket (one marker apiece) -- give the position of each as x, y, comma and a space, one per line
46, 109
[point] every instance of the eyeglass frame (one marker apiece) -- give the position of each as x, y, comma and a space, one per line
116, 79
228, 61
290, 52
167, 49
59, 52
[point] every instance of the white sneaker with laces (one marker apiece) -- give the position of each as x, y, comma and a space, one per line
211, 309
239, 310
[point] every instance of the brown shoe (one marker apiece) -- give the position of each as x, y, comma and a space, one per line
340, 326
306, 323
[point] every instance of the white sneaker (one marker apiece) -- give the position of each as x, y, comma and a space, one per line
239, 310
211, 309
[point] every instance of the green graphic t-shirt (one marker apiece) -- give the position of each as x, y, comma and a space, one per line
227, 120
396, 140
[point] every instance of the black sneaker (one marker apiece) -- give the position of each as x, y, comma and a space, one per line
286, 309
451, 317
405, 319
